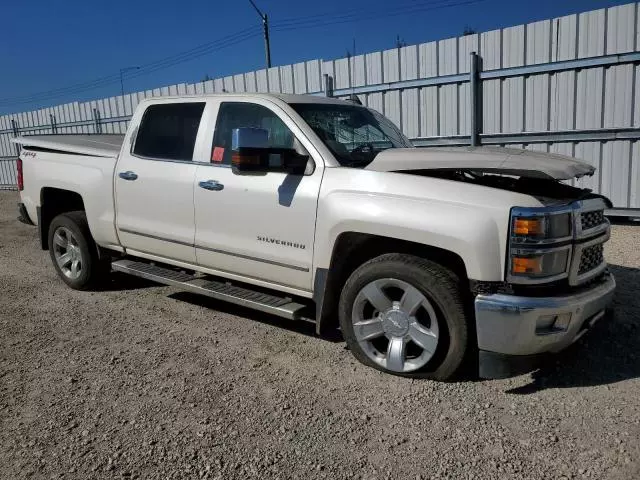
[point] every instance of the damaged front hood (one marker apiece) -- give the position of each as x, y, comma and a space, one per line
505, 161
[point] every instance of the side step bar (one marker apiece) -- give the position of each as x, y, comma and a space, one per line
281, 306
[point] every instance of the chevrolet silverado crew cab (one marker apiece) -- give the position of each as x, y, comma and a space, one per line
319, 209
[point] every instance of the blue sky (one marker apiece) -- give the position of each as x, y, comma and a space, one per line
49, 45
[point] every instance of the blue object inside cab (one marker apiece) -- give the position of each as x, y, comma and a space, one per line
249, 137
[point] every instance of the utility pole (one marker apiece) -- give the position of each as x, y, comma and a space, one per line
265, 27
400, 42
123, 70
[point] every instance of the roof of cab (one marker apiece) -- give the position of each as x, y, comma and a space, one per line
284, 97
290, 98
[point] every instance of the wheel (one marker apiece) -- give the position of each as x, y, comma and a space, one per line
73, 251
405, 315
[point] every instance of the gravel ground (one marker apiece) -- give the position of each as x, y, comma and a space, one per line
141, 381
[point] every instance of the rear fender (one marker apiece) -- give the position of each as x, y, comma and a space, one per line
91, 178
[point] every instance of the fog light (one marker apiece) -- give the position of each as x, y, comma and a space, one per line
548, 324
526, 265
562, 322
539, 265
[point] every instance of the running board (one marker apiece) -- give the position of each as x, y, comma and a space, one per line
281, 306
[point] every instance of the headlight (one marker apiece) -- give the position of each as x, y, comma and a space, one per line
539, 244
536, 227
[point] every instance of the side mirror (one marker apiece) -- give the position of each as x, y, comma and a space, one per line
249, 137
251, 153
295, 162
248, 146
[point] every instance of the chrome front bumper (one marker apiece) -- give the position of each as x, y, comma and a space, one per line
508, 325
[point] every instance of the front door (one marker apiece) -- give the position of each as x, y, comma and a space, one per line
154, 183
258, 225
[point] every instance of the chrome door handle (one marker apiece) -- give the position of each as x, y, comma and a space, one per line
211, 185
128, 175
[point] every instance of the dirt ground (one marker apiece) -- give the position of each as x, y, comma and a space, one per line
141, 381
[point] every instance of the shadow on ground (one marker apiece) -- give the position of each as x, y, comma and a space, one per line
624, 221
297, 326
609, 353
118, 281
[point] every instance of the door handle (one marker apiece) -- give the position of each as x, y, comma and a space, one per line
128, 175
211, 185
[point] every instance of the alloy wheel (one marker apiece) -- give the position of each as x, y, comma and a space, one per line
67, 253
395, 324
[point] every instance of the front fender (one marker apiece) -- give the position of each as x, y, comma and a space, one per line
476, 235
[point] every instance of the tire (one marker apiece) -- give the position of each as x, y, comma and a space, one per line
415, 291
69, 234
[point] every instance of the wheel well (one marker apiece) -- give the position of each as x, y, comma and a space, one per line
53, 202
353, 249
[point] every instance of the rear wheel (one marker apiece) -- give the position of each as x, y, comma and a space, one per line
405, 315
73, 251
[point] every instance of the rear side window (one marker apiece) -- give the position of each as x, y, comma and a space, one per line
169, 131
237, 115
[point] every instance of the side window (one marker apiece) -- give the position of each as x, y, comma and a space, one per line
168, 131
236, 115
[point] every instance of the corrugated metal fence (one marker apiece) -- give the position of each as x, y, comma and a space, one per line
567, 85
8, 174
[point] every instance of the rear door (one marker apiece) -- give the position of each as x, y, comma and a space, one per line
257, 225
154, 182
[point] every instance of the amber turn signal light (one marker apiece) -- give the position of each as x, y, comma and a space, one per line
528, 226
243, 159
526, 265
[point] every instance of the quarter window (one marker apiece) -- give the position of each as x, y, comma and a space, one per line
237, 115
168, 131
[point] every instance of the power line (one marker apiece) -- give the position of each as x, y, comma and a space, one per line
161, 65
62, 89
349, 11
371, 15
207, 47
295, 23
145, 69
151, 67
352, 13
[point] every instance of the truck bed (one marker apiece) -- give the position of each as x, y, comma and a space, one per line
94, 145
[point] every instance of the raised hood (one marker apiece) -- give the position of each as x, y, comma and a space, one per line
507, 161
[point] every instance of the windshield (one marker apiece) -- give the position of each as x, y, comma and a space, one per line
354, 134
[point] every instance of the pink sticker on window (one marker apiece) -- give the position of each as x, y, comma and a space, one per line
217, 155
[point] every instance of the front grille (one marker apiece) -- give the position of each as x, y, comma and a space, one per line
592, 257
592, 219
588, 259
588, 230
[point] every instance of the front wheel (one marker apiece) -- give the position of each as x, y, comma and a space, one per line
73, 251
405, 315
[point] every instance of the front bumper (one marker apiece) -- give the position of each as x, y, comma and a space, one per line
514, 333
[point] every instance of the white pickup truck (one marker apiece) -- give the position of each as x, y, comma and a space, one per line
319, 209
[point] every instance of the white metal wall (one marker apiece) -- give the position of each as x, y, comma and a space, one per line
593, 98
